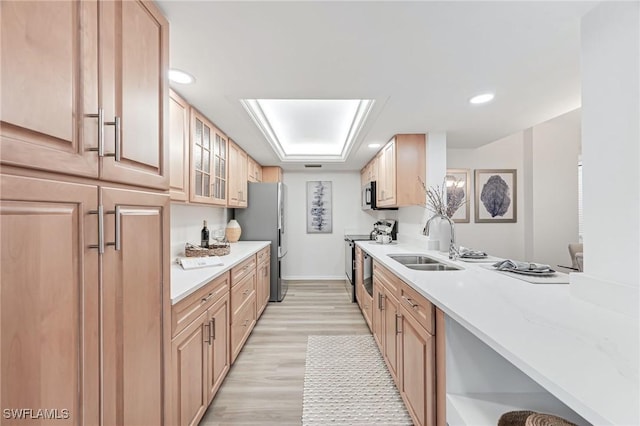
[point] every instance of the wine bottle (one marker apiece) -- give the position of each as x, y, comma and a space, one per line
204, 235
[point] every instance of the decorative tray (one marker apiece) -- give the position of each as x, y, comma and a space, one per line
216, 249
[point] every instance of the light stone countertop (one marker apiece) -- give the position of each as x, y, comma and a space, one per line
185, 282
585, 355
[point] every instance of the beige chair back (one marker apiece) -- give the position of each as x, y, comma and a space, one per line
574, 249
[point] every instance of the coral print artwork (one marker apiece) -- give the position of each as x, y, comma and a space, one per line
496, 196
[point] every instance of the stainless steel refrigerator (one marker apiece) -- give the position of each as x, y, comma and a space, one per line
263, 220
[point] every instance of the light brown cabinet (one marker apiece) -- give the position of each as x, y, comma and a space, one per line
404, 328
96, 118
237, 176
263, 280
49, 346
272, 174
243, 304
254, 170
200, 350
128, 311
397, 168
208, 176
179, 148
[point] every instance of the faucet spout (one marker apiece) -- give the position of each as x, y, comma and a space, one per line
453, 251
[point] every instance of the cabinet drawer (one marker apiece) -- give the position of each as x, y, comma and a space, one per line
188, 309
263, 255
418, 307
238, 272
387, 278
241, 328
242, 292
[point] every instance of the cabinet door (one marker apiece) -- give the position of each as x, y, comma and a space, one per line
391, 331
418, 371
242, 178
135, 307
220, 167
262, 287
189, 352
201, 174
49, 80
389, 170
218, 348
49, 301
380, 177
233, 198
179, 148
134, 44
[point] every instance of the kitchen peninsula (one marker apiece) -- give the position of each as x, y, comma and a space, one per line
582, 355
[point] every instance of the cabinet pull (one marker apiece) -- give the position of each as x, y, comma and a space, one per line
101, 124
380, 301
100, 245
116, 243
205, 299
244, 293
245, 323
212, 329
208, 324
398, 330
410, 302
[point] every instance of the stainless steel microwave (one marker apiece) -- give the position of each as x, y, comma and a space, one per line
369, 198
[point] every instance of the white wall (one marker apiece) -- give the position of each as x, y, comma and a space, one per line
322, 256
498, 239
186, 224
610, 50
554, 197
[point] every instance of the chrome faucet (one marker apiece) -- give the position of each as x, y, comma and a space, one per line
453, 251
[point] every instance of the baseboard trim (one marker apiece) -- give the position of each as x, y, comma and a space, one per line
315, 278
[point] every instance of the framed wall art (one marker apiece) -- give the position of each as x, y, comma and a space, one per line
496, 196
319, 208
458, 184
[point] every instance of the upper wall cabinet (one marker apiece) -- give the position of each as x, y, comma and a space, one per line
85, 90
237, 176
254, 170
179, 148
208, 182
400, 166
271, 174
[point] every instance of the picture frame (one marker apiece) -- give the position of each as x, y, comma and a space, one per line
319, 207
496, 192
458, 187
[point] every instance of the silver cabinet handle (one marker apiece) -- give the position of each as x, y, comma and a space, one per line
212, 329
208, 324
116, 243
410, 302
398, 331
100, 245
101, 124
204, 299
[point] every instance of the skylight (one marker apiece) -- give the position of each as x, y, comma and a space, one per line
310, 129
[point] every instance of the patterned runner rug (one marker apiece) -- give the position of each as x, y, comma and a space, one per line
346, 382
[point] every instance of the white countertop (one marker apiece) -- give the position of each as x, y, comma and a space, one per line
584, 355
183, 283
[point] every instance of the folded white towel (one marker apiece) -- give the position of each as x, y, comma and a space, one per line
505, 265
467, 252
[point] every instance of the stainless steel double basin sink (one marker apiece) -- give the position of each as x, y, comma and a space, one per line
422, 263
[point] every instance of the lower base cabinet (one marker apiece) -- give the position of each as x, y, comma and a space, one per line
200, 351
403, 327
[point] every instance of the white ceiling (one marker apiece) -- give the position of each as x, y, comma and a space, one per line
420, 61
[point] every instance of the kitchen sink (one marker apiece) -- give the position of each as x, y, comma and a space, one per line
422, 263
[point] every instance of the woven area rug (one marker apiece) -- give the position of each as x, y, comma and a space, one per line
346, 382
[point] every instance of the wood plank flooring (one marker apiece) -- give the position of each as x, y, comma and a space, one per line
265, 385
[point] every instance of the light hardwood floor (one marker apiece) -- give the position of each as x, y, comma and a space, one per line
265, 385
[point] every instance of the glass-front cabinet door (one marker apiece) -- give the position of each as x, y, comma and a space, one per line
220, 168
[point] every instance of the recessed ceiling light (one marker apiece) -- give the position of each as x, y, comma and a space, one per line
181, 77
481, 99
374, 145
